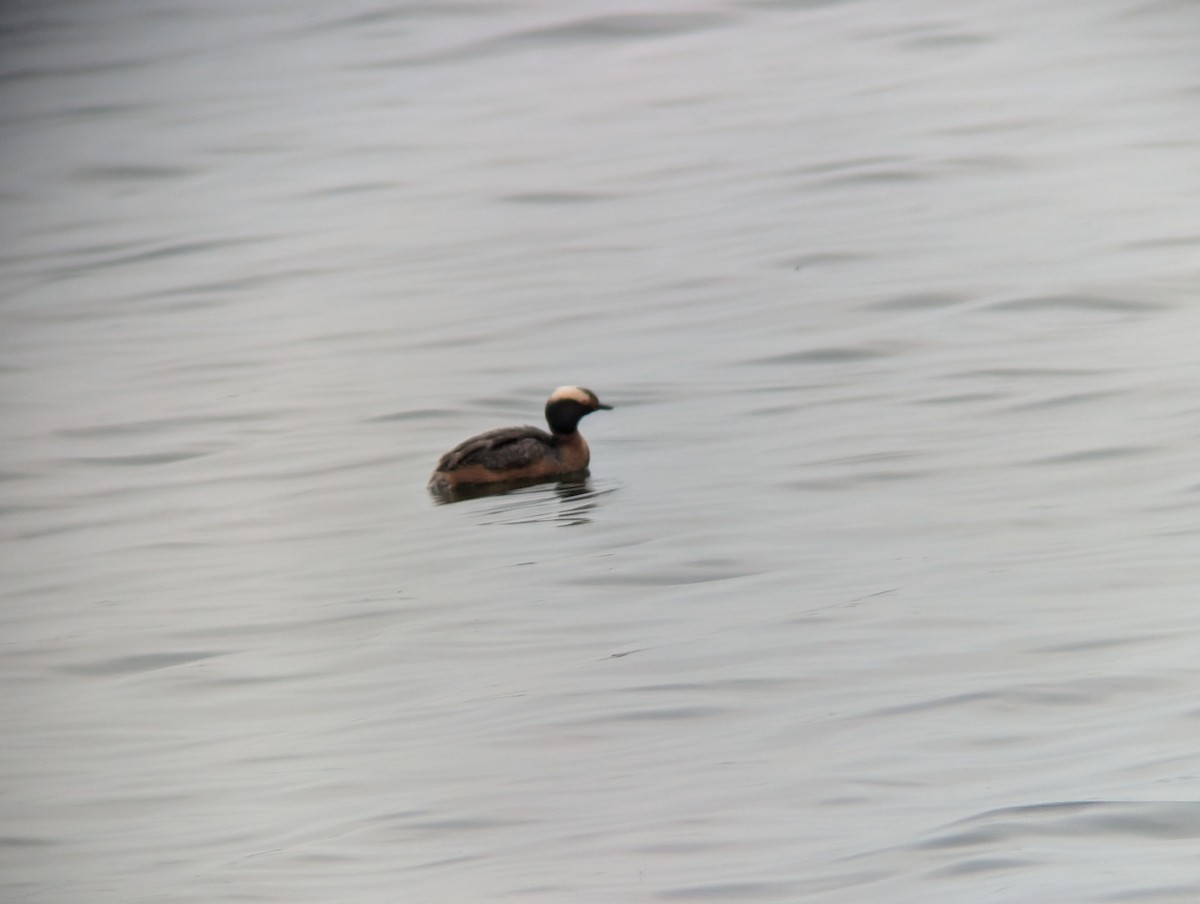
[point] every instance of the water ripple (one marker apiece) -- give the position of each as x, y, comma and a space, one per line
132, 172
828, 355
1095, 304
1162, 820
1099, 454
618, 27
555, 197
728, 891
918, 301
1065, 401
142, 460
143, 662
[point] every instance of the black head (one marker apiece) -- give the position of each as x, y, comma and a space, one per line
568, 404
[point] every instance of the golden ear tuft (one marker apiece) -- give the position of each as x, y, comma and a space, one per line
574, 393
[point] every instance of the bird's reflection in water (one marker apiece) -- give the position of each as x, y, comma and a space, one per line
526, 501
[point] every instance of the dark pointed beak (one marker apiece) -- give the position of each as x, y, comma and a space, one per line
600, 407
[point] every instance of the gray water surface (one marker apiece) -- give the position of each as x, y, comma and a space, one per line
883, 586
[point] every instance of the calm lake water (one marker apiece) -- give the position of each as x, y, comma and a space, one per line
884, 585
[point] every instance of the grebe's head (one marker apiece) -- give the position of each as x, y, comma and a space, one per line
568, 404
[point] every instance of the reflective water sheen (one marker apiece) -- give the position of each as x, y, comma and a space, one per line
883, 585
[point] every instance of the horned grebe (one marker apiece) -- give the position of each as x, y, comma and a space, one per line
523, 453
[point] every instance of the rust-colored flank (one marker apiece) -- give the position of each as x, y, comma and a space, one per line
523, 454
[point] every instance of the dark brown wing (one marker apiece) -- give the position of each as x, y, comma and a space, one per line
500, 450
